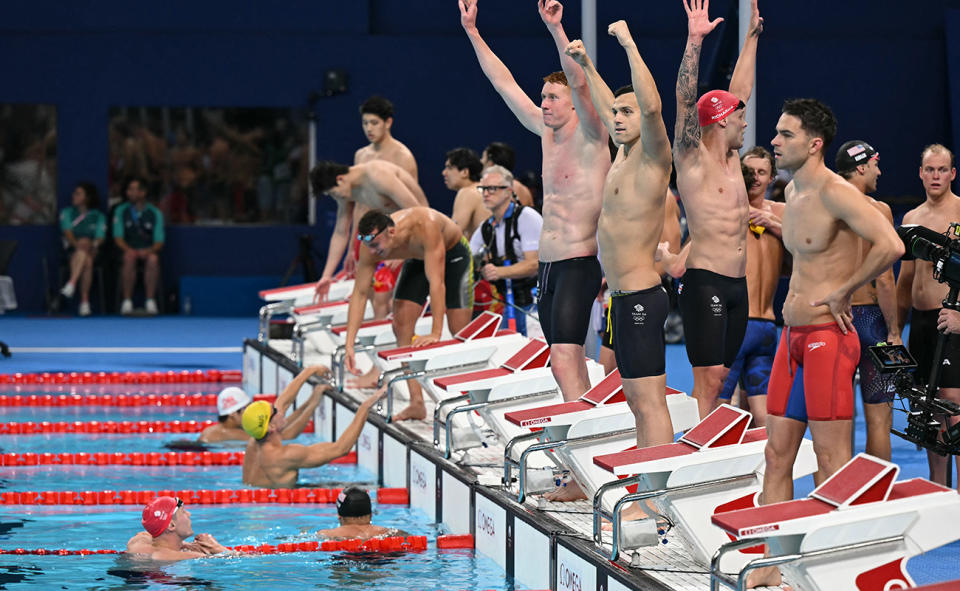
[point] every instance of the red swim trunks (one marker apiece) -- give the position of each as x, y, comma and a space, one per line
385, 277
812, 376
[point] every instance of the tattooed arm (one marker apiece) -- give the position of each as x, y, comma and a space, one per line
686, 137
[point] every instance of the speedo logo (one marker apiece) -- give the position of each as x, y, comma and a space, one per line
816, 345
536, 421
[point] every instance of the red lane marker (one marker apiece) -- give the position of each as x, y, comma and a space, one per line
455, 541
129, 377
114, 427
280, 496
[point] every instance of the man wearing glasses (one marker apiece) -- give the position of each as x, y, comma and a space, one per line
166, 524
268, 462
509, 241
376, 185
438, 263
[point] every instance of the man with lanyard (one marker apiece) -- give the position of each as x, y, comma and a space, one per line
138, 232
513, 259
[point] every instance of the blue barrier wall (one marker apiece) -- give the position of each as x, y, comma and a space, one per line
883, 71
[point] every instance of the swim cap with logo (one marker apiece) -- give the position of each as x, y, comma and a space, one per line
353, 502
716, 105
230, 400
256, 419
158, 514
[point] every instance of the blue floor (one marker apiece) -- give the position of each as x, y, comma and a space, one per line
214, 332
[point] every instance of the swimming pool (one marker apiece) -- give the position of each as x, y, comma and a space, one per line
108, 527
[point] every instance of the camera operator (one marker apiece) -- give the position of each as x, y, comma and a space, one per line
515, 258
917, 289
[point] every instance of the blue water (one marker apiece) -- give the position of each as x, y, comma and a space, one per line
110, 528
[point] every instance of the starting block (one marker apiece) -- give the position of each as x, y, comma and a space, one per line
479, 345
282, 300
856, 531
716, 466
598, 419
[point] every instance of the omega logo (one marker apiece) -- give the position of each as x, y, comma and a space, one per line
365, 442
419, 479
569, 579
485, 524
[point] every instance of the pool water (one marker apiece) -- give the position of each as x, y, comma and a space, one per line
109, 528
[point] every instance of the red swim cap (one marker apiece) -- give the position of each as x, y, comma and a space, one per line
716, 105
158, 514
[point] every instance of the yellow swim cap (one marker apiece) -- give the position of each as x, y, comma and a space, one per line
256, 419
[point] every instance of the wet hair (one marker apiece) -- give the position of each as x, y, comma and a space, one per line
815, 118
937, 149
461, 158
501, 153
324, 175
623, 90
377, 105
761, 152
373, 222
93, 195
556, 78
505, 174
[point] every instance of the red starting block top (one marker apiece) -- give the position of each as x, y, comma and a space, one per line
609, 390
339, 330
276, 291
864, 479
534, 354
758, 520
484, 325
645, 454
726, 425
317, 307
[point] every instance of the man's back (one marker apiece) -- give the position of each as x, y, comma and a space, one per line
391, 150
265, 464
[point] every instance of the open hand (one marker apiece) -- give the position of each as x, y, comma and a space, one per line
840, 308
322, 289
699, 24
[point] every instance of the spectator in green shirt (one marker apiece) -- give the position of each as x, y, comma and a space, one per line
84, 227
138, 232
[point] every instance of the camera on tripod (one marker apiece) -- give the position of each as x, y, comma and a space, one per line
924, 410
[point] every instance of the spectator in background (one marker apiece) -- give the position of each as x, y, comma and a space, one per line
502, 154
138, 233
84, 227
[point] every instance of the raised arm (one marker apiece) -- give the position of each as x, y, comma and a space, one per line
653, 132
741, 83
503, 82
299, 418
600, 93
686, 135
301, 456
289, 394
551, 12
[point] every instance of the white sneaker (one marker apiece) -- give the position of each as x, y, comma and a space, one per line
126, 308
84, 309
68, 290
150, 306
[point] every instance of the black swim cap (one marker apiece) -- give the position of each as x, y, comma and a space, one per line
353, 502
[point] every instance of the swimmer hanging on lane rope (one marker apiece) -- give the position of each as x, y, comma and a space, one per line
168, 525
355, 514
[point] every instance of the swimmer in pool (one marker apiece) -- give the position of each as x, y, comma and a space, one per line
355, 514
232, 401
167, 526
269, 463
